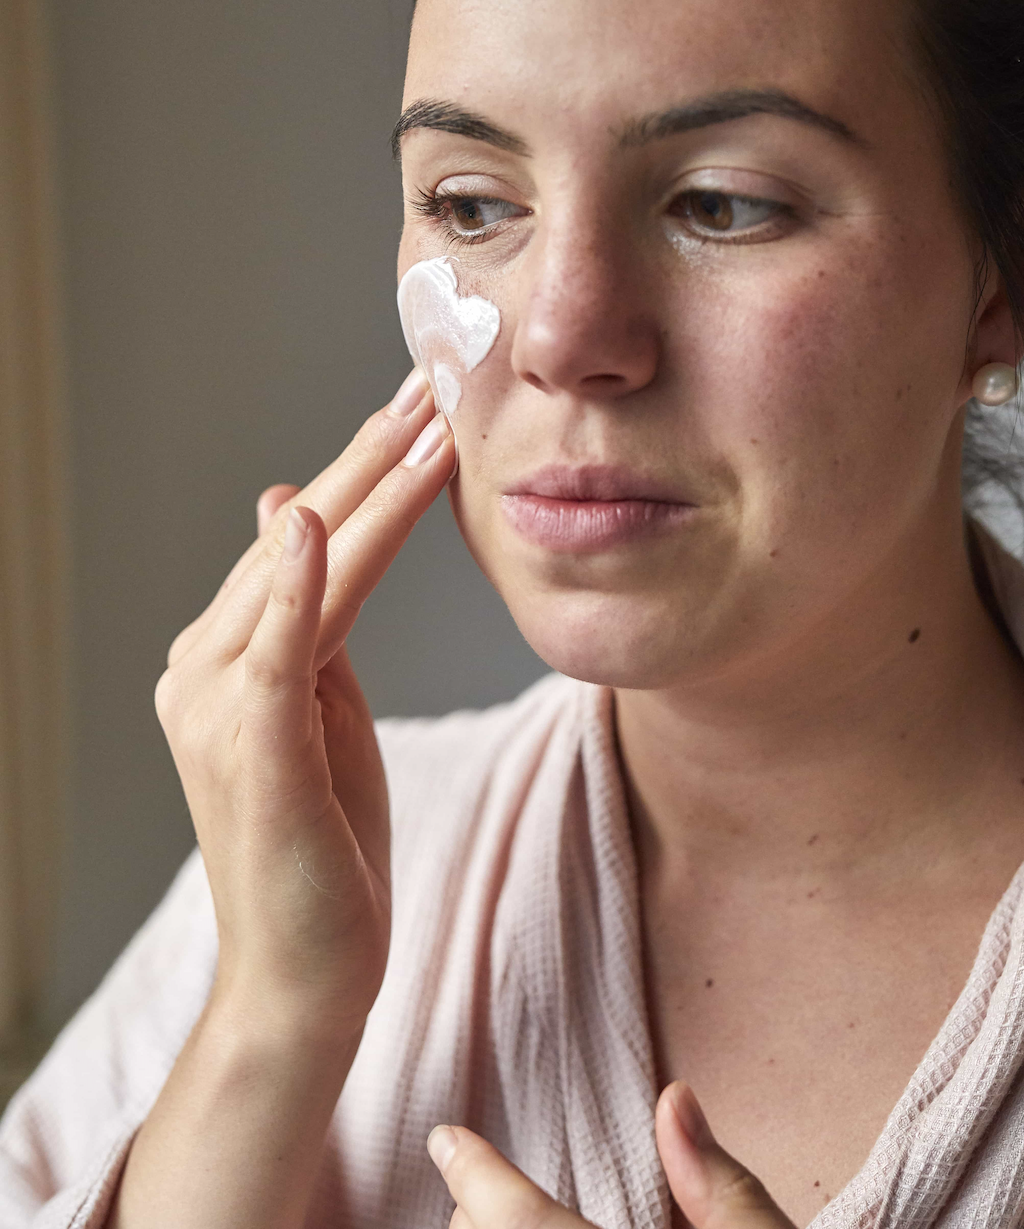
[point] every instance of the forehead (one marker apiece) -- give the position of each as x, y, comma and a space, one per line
602, 61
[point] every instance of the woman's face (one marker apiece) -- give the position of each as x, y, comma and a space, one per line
735, 293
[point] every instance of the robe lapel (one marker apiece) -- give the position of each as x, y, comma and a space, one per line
955, 1139
610, 1086
573, 1046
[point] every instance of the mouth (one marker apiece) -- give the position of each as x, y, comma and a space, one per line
593, 508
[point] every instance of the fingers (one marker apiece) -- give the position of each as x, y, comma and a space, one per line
379, 444
354, 761
270, 501
713, 1189
365, 546
267, 506
378, 447
490, 1191
334, 495
279, 676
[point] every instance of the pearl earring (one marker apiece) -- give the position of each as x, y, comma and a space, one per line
995, 384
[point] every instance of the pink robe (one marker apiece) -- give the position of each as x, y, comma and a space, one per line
513, 1003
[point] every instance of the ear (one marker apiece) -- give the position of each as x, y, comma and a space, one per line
996, 340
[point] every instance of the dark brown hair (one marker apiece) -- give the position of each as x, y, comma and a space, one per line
973, 54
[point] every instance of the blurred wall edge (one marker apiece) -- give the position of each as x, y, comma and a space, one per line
34, 663
230, 217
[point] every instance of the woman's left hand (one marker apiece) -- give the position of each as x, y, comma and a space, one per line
713, 1190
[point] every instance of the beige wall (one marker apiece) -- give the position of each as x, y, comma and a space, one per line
230, 220
33, 558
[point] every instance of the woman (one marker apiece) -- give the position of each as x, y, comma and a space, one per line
748, 261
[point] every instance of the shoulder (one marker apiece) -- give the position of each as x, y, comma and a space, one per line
68, 1127
427, 754
446, 774
143, 1010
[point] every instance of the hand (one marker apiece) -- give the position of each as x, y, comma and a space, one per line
713, 1190
273, 740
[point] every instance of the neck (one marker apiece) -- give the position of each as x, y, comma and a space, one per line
899, 718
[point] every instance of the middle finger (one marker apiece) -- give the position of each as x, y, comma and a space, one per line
334, 494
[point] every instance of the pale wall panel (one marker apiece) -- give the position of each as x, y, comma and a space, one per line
231, 222
33, 503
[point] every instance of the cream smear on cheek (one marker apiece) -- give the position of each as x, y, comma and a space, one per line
448, 334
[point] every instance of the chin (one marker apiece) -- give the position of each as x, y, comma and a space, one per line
643, 619
612, 640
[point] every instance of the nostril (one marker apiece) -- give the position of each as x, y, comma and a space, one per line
605, 382
609, 379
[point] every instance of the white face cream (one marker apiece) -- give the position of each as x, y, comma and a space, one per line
447, 335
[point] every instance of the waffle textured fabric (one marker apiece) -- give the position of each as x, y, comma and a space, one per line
514, 1003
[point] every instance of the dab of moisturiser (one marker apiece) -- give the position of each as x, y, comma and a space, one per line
447, 334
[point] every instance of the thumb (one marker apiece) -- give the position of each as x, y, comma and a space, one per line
713, 1190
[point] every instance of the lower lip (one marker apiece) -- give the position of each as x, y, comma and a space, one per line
591, 525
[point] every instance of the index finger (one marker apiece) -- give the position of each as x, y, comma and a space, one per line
333, 494
490, 1191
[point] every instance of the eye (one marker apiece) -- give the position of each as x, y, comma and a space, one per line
466, 218
475, 213
719, 213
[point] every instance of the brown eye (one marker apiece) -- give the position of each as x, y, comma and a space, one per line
467, 214
711, 210
745, 219
473, 215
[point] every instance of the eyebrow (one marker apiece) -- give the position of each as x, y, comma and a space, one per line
446, 117
733, 105
704, 112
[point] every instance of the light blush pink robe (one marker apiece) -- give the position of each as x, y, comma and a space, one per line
513, 1003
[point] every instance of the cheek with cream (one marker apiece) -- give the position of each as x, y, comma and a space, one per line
448, 334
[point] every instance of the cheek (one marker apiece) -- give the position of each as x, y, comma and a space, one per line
831, 390
448, 334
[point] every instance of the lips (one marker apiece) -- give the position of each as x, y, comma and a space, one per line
593, 508
595, 482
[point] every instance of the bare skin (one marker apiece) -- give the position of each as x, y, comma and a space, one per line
770, 318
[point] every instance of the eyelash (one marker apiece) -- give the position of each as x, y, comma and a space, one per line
438, 208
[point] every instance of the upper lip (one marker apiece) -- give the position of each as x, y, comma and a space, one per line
598, 483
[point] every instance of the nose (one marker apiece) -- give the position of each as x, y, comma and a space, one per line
585, 327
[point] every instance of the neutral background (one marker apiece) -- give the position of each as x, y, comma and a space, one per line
230, 216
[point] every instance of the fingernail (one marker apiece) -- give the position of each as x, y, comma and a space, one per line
428, 441
295, 534
690, 1116
410, 394
441, 1144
